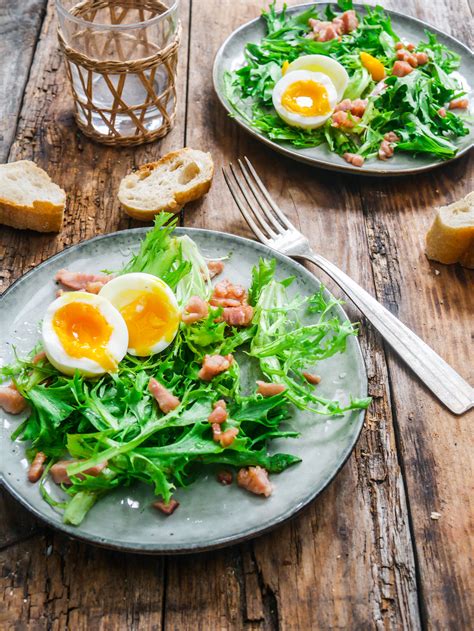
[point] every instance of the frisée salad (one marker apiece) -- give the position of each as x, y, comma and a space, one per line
347, 80
138, 376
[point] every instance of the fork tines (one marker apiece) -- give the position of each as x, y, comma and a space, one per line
259, 210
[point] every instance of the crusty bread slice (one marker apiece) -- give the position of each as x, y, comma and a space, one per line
451, 237
166, 185
29, 200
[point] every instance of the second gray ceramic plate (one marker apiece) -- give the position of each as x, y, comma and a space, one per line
210, 515
230, 57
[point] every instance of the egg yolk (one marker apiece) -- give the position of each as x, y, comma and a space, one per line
150, 317
84, 333
308, 98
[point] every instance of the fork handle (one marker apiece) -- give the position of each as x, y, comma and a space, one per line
450, 388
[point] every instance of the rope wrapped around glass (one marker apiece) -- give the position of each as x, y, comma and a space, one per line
121, 58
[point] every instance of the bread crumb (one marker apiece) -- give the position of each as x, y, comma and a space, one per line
434, 515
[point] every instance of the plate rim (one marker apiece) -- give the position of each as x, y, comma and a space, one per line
177, 549
322, 163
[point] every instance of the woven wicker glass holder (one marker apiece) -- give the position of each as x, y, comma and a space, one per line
145, 69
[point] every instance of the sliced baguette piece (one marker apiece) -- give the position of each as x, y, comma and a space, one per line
166, 185
29, 200
451, 237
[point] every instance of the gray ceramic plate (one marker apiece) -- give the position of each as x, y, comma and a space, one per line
231, 57
210, 514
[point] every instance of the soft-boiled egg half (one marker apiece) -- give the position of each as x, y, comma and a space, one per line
304, 99
327, 65
84, 332
149, 308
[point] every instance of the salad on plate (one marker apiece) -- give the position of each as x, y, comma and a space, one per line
156, 373
349, 81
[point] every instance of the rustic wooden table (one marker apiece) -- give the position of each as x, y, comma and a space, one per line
367, 554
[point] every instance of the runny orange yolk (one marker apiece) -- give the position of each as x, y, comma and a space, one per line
84, 333
308, 98
150, 317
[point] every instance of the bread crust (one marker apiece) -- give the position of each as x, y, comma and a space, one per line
178, 199
451, 244
43, 216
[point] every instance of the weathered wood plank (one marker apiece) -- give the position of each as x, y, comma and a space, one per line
19, 29
312, 572
56, 583
437, 301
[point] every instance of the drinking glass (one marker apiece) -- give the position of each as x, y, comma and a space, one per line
121, 58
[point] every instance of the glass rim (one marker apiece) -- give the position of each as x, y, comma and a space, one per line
113, 27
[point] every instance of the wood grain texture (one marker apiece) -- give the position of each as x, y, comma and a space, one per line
365, 554
19, 29
437, 301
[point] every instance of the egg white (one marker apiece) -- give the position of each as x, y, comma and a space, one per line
293, 118
116, 292
57, 355
327, 65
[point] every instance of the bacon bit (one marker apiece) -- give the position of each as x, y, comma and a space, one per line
325, 31
387, 145
412, 59
225, 477
349, 21
218, 414
422, 58
459, 104
82, 281
399, 46
60, 476
167, 509
344, 106
311, 378
344, 119
227, 438
215, 268
11, 400
196, 309
391, 136
255, 480
410, 47
401, 69
216, 432
36, 467
386, 150
38, 357
442, 112
354, 159
329, 32
220, 404
213, 365
356, 107
226, 294
269, 389
238, 316
165, 399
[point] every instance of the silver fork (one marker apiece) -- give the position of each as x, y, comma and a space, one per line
273, 229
